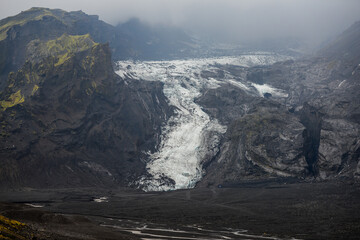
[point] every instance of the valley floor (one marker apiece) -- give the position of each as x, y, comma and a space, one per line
260, 210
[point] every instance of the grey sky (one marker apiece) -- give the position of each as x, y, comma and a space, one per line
311, 20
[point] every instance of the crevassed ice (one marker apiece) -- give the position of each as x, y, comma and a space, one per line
190, 136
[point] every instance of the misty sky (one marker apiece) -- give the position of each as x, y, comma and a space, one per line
308, 20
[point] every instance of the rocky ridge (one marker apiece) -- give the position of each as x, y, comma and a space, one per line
313, 132
132, 39
68, 119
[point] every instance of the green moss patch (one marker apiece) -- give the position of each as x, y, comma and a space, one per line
9, 228
62, 48
33, 14
34, 90
13, 100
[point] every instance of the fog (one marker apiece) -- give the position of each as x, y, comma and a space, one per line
313, 21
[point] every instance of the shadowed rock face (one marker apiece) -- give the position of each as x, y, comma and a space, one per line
263, 140
311, 119
68, 119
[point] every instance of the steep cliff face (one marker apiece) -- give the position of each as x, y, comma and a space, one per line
314, 130
263, 140
311, 119
263, 144
328, 87
16, 32
68, 119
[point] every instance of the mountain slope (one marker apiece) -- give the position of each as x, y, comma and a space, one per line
68, 119
313, 132
346, 46
151, 42
128, 40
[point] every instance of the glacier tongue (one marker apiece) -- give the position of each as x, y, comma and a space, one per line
190, 136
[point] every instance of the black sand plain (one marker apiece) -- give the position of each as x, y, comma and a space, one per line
273, 209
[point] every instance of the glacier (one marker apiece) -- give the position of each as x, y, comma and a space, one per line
190, 137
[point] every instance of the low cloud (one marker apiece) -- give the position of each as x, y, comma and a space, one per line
234, 20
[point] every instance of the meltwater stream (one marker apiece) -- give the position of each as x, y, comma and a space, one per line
190, 136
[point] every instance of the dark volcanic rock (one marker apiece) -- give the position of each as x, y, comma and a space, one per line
311, 119
39, 23
69, 120
318, 134
227, 103
268, 142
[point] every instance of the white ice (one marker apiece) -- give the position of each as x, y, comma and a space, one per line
35, 205
101, 199
190, 136
265, 88
342, 82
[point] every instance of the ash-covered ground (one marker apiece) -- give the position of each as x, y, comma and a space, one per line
273, 209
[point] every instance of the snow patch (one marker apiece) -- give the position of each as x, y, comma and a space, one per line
342, 82
34, 205
101, 199
265, 88
239, 85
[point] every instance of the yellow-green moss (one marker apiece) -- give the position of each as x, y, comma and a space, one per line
65, 46
12, 223
69, 43
89, 91
14, 99
27, 77
33, 14
88, 62
62, 59
34, 90
30, 76
11, 233
9, 228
